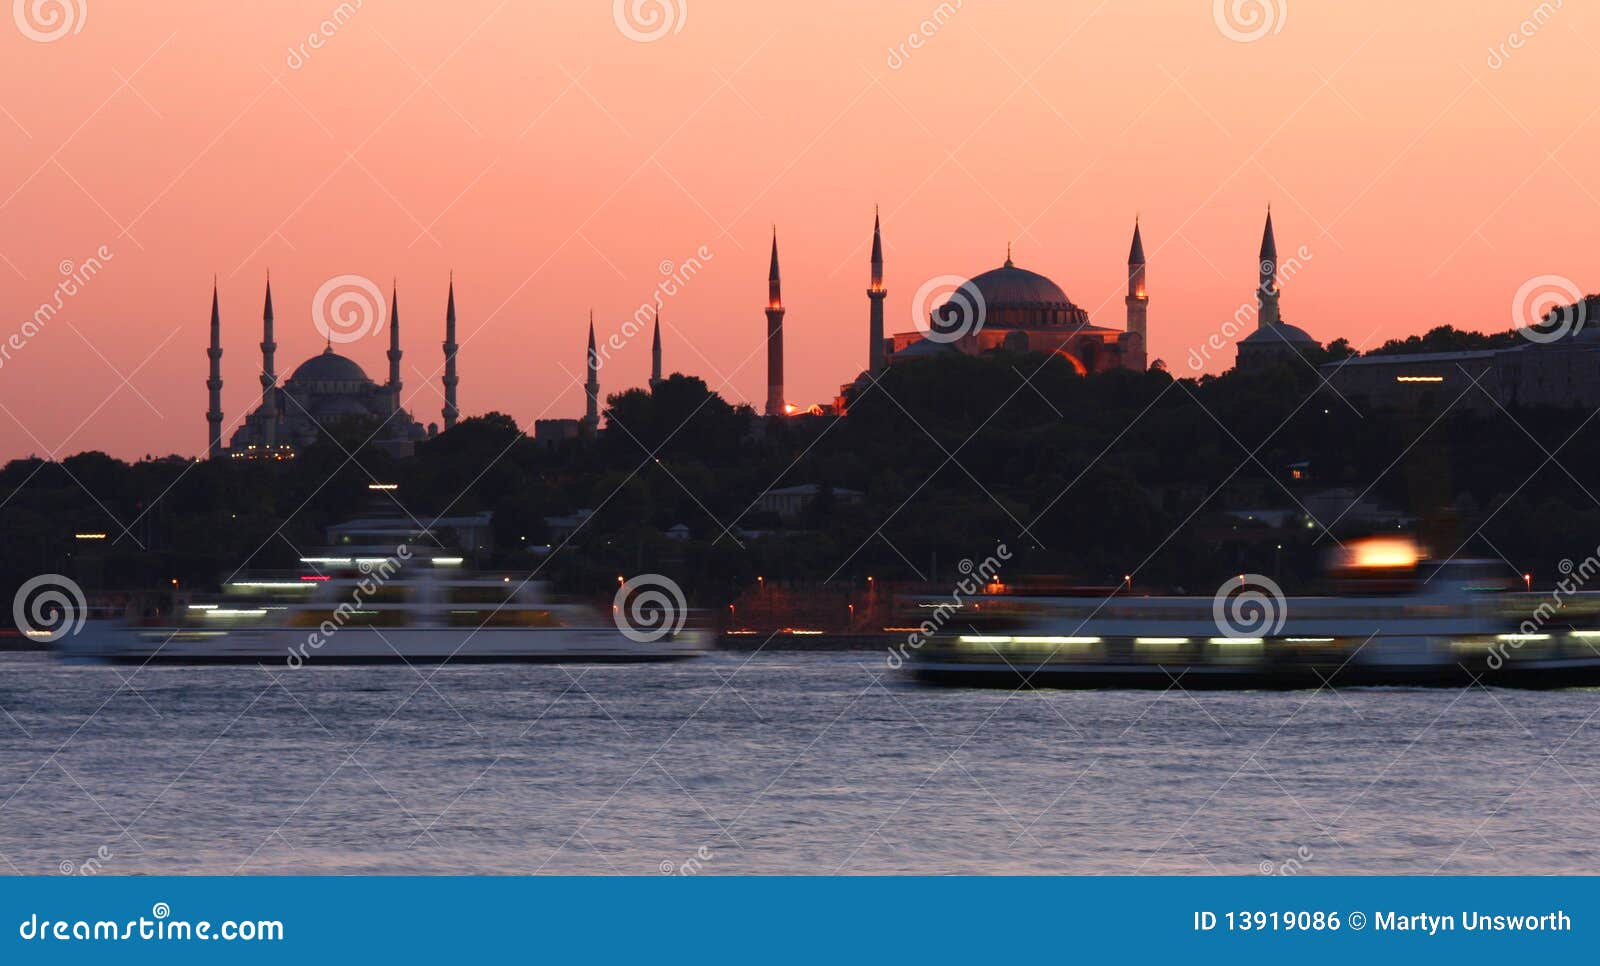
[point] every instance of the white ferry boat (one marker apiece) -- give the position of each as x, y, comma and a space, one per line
1397, 620
367, 610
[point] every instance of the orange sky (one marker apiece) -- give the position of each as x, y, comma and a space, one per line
554, 163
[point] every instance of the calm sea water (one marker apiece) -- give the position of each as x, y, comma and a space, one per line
776, 763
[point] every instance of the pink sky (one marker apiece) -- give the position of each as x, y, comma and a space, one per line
554, 163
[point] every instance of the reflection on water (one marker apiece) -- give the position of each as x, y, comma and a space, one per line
787, 763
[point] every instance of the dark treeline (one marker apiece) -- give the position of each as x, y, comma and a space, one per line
1083, 478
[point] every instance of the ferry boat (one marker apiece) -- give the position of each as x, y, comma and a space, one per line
384, 596
1397, 620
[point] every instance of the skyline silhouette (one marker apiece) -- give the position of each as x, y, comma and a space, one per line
557, 161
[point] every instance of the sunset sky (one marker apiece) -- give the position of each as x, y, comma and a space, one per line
555, 164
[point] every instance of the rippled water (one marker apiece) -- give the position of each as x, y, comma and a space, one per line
777, 763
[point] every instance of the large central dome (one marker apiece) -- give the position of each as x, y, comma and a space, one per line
328, 368
1017, 298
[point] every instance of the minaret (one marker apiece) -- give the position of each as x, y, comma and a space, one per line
394, 350
875, 295
1138, 302
591, 386
774, 335
214, 383
655, 354
1267, 290
269, 374
450, 379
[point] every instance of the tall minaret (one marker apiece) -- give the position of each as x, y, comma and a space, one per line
875, 295
269, 374
774, 335
655, 354
394, 350
214, 383
450, 379
1267, 290
591, 386
1138, 302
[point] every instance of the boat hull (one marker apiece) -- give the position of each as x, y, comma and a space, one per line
1542, 675
360, 645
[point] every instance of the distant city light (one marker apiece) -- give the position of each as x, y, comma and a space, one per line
1419, 378
89, 536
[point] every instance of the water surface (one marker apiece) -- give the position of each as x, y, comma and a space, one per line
771, 764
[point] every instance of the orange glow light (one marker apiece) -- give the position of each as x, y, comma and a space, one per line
1383, 552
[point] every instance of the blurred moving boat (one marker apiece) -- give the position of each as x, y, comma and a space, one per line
375, 604
1396, 620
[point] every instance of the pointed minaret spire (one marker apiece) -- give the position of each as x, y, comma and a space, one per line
394, 348
1008, 255
774, 288
1135, 354
450, 347
591, 386
875, 296
1267, 288
214, 382
775, 402
655, 354
269, 372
